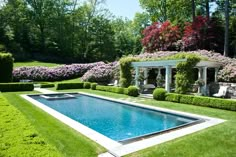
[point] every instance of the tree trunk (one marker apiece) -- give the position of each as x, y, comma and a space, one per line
193, 9
42, 39
226, 44
207, 10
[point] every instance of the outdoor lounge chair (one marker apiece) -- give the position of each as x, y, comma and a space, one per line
222, 92
148, 88
114, 84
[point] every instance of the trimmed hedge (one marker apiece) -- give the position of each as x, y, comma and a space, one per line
87, 85
112, 89
47, 85
202, 101
133, 91
93, 86
15, 87
61, 86
159, 94
6, 67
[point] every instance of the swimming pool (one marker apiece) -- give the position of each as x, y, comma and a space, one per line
129, 131
118, 121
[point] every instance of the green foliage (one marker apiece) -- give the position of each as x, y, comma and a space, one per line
18, 136
133, 91
93, 86
14, 87
184, 76
125, 71
61, 86
159, 94
118, 90
87, 85
6, 67
47, 85
173, 97
202, 101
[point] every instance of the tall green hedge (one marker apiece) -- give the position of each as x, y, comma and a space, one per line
125, 71
6, 67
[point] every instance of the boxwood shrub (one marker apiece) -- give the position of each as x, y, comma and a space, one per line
202, 101
159, 94
6, 67
133, 91
15, 87
47, 85
93, 86
61, 86
87, 85
172, 97
112, 89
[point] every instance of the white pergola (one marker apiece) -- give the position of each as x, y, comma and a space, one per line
202, 67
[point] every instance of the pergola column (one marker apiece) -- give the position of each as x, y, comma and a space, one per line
205, 80
216, 73
145, 76
199, 77
136, 76
167, 78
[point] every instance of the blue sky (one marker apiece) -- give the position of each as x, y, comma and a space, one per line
124, 8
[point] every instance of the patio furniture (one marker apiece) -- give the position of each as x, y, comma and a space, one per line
222, 92
114, 84
147, 88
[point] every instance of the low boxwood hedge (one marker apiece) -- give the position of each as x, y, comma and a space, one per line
47, 85
61, 86
87, 85
133, 91
202, 101
15, 87
93, 86
112, 89
159, 94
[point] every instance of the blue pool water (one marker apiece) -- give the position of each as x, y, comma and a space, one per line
115, 120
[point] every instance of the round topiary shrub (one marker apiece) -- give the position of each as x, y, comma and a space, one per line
93, 86
133, 91
87, 85
159, 94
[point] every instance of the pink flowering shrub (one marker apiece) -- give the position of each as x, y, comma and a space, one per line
58, 73
101, 74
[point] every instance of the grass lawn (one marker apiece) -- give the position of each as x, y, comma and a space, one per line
68, 142
18, 137
34, 63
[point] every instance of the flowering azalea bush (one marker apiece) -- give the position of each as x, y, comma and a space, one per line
160, 36
53, 74
101, 73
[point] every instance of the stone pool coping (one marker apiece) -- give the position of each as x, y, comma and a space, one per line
115, 148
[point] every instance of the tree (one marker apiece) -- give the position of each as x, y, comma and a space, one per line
226, 44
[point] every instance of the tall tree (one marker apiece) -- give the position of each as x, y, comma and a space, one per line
193, 9
226, 44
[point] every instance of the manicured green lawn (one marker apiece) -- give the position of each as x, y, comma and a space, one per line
34, 63
217, 141
67, 141
18, 137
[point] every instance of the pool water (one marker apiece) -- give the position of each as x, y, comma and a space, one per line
118, 121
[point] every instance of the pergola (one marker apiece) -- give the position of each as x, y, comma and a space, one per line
168, 65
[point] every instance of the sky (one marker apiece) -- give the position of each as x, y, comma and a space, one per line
124, 8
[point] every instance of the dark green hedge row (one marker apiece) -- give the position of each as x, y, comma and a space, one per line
47, 85
61, 86
15, 87
202, 101
6, 67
